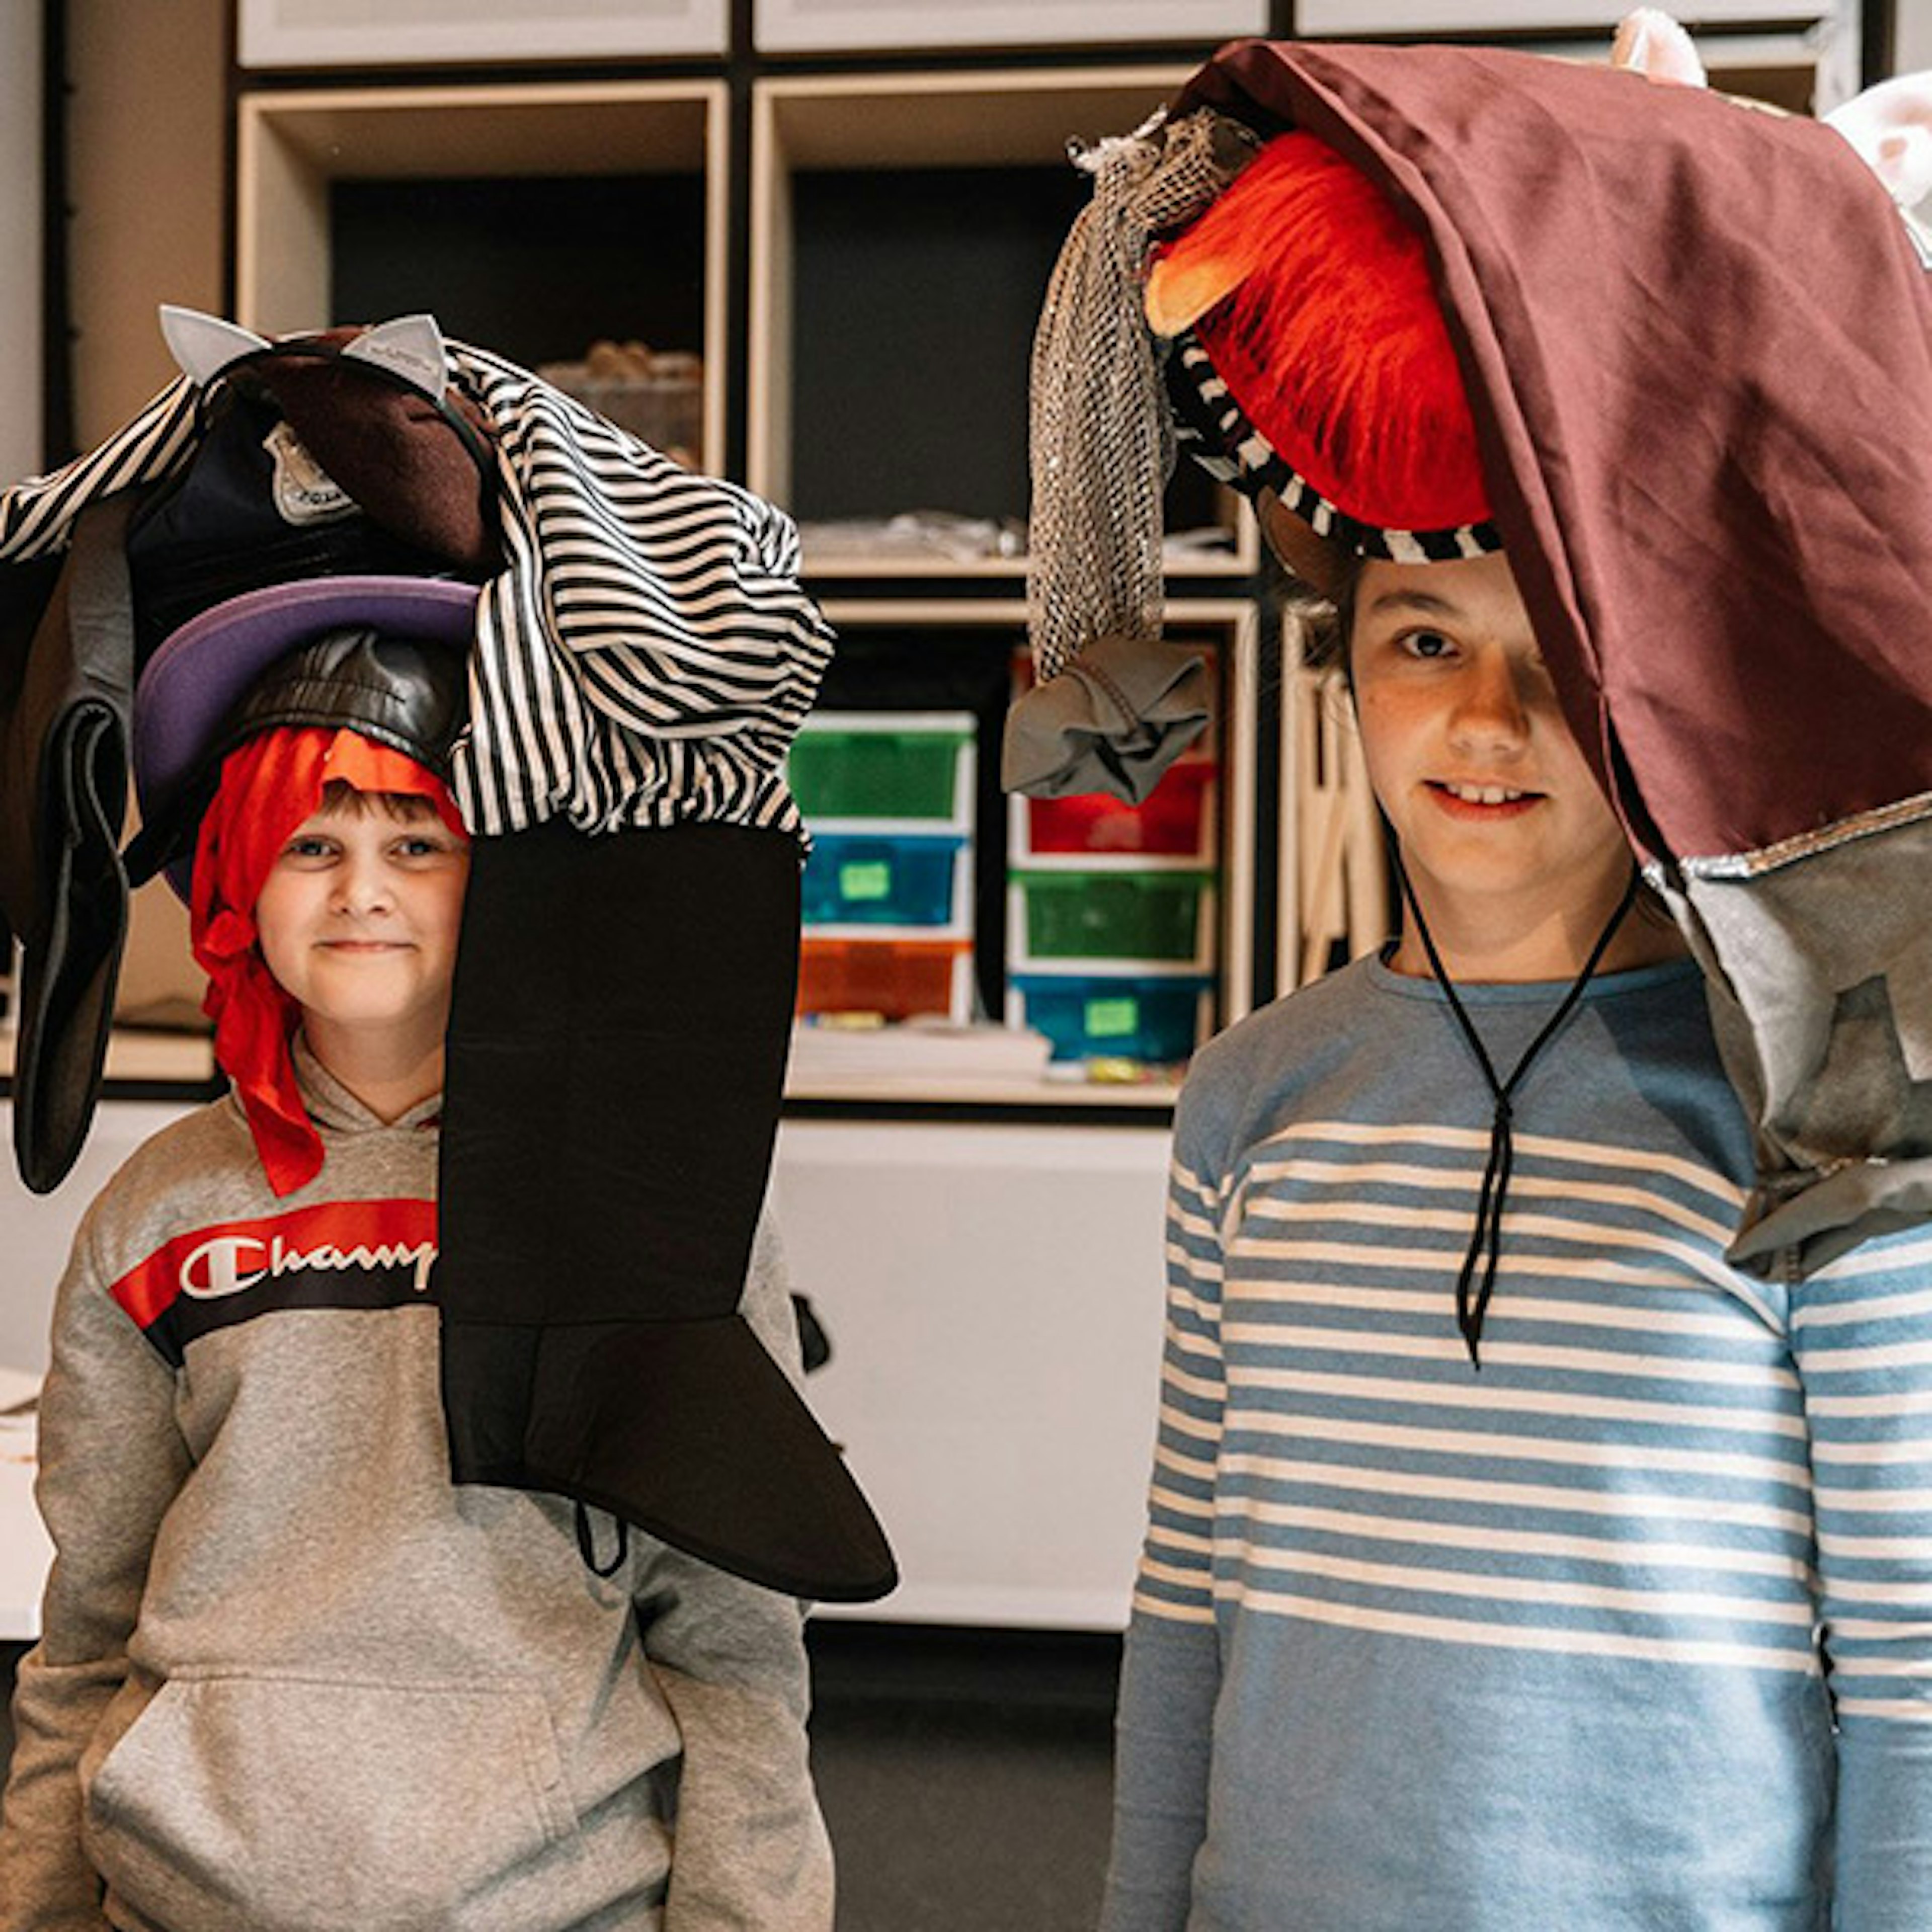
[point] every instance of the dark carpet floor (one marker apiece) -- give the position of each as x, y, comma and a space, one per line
964, 1776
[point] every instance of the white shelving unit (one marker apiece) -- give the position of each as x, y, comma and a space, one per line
362, 33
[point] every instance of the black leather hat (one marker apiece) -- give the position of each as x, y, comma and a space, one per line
386, 655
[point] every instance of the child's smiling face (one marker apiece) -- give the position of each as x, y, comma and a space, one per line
359, 916
1503, 829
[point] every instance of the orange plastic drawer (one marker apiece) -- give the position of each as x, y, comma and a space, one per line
893, 977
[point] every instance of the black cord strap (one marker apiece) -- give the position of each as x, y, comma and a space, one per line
587, 1544
1485, 1242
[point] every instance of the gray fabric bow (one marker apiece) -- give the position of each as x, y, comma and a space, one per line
1113, 721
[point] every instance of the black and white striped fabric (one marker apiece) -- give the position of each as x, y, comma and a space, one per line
643, 658
1216, 432
648, 654
37, 515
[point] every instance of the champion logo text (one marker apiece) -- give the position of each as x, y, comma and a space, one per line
226, 1264
341, 1254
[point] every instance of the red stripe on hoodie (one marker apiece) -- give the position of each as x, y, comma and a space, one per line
207, 1264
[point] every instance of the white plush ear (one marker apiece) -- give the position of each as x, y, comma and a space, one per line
1649, 42
203, 346
1904, 162
1891, 125
411, 347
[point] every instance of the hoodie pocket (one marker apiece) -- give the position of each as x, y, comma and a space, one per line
292, 1803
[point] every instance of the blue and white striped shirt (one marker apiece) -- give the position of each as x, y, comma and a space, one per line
1632, 1627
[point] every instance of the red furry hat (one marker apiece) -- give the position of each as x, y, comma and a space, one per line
1311, 359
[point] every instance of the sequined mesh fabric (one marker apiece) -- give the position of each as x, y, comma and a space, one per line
1103, 444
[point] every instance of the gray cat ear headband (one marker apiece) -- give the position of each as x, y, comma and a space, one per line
206, 347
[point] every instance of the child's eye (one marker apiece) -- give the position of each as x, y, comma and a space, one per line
306, 847
1426, 644
420, 847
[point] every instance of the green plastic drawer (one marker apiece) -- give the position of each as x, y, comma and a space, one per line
1112, 916
906, 770
1087, 1016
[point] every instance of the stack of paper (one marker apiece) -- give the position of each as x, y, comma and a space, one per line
931, 1052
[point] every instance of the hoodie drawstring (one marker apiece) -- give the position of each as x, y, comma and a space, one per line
1485, 1243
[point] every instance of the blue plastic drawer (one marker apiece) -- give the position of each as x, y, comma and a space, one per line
884, 879
1158, 1018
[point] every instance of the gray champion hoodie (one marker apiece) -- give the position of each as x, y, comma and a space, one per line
290, 1678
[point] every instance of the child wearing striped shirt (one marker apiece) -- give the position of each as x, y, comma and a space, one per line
1516, 1562
1608, 1612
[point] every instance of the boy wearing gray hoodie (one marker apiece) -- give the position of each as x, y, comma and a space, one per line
290, 1677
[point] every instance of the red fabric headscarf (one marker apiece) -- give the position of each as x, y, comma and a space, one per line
268, 786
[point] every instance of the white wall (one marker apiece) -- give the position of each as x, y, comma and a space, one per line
995, 1297
39, 1227
146, 113
1912, 37
20, 146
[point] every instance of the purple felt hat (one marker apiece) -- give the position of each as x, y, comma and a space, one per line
192, 688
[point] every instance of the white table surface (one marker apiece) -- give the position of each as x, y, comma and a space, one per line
25, 1551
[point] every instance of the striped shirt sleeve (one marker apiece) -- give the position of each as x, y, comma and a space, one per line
1171, 1672
1861, 1336
1176, 1565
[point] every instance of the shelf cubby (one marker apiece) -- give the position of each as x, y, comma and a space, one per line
530, 219
903, 229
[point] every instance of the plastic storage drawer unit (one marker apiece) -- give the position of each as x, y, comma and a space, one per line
902, 765
1156, 1018
887, 879
1166, 916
